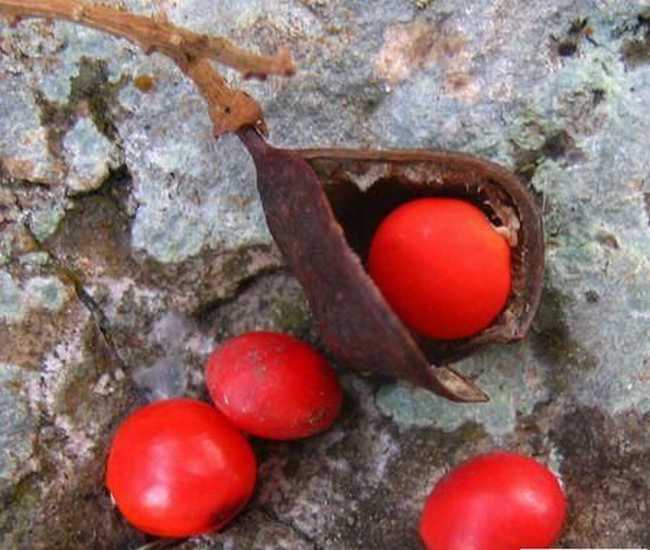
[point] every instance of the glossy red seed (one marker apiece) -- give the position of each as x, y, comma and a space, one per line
496, 501
442, 267
274, 386
178, 468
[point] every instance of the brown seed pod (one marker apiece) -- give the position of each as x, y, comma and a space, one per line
323, 207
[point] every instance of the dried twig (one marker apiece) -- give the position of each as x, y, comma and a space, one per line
155, 35
230, 109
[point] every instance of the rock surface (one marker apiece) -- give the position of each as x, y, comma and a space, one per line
131, 243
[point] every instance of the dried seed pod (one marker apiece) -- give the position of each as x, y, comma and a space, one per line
323, 207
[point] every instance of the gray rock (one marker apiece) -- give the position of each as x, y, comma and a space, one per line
23, 142
11, 304
18, 436
90, 156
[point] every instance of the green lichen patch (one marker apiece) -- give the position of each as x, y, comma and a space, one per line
28, 210
23, 290
90, 92
48, 293
12, 306
552, 341
17, 427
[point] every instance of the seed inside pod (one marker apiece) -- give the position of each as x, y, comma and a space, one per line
324, 205
363, 187
441, 266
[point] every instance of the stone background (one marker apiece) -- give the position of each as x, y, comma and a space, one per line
131, 243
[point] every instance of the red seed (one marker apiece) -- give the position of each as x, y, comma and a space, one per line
273, 386
496, 501
178, 468
442, 267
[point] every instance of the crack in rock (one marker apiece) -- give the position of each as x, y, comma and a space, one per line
99, 317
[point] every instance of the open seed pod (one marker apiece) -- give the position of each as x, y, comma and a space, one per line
323, 207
